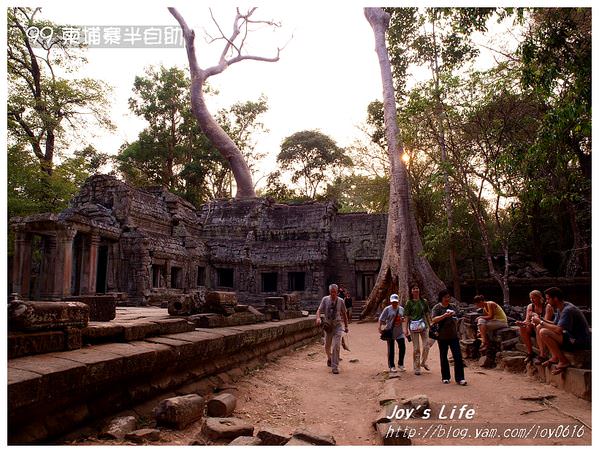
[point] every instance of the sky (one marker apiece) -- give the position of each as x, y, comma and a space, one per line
326, 76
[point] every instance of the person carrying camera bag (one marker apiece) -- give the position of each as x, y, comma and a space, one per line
392, 330
335, 314
417, 313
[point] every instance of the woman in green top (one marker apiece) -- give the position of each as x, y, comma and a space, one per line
417, 313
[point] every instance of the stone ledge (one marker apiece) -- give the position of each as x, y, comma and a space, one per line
102, 379
576, 381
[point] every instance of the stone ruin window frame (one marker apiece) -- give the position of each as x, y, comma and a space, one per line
263, 286
160, 266
200, 276
292, 281
219, 277
176, 277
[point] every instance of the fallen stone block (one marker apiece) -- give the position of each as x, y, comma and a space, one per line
118, 427
73, 338
180, 411
271, 436
226, 428
385, 413
487, 361
141, 436
34, 316
388, 394
101, 307
246, 440
392, 434
419, 403
514, 364
221, 405
315, 439
296, 442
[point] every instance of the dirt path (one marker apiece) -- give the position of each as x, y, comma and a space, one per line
299, 391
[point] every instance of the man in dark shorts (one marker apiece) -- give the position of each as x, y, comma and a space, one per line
569, 331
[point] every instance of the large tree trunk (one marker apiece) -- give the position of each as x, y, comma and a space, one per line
215, 133
402, 261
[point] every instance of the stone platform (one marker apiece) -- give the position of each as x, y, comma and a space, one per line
51, 394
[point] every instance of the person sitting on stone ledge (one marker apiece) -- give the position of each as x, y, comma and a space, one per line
569, 331
493, 318
538, 308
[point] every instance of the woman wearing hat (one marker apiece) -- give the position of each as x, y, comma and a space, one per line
392, 319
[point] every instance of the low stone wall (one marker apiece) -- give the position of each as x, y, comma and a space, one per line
51, 394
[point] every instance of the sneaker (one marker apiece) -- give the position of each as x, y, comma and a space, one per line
401, 368
328, 362
425, 366
417, 372
392, 370
463, 382
445, 381
335, 371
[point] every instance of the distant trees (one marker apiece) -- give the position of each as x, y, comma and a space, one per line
172, 151
312, 158
48, 110
43, 107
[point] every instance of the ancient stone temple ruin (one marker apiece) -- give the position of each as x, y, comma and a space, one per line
148, 246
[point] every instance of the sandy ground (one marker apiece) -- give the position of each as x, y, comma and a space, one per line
299, 391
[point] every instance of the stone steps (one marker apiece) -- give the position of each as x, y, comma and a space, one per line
576, 381
51, 394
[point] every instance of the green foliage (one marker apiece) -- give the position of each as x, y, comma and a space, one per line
173, 151
44, 109
311, 157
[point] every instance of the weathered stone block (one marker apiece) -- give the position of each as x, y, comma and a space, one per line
296, 442
221, 405
73, 338
226, 428
102, 332
101, 307
34, 316
272, 436
388, 394
315, 439
138, 330
143, 435
180, 411
513, 364
278, 302
118, 427
246, 440
21, 344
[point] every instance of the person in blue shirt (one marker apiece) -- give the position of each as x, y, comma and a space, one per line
569, 330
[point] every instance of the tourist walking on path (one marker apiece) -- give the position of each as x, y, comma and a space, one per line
493, 318
445, 314
392, 321
537, 307
335, 316
349, 303
417, 313
570, 332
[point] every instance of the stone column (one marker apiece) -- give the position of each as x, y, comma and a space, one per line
64, 263
93, 263
22, 264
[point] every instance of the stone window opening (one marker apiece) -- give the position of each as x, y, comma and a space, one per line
296, 281
158, 273
201, 276
224, 277
269, 282
176, 277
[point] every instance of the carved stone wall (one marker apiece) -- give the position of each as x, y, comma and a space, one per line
148, 242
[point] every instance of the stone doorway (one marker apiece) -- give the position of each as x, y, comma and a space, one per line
102, 272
